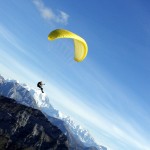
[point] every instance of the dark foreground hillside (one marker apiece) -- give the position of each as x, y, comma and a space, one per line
25, 128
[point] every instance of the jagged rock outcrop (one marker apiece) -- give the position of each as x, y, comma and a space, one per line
24, 128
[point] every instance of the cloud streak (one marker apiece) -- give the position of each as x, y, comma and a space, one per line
114, 115
14, 45
121, 130
49, 15
11, 38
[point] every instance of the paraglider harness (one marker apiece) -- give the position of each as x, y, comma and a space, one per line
39, 84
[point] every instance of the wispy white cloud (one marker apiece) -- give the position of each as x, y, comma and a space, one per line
49, 15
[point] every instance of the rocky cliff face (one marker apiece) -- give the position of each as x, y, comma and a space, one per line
24, 128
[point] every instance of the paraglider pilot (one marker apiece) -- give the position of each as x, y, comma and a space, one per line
40, 84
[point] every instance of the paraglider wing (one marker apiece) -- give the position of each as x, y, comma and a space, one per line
80, 45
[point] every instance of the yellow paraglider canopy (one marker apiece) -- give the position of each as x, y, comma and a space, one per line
80, 45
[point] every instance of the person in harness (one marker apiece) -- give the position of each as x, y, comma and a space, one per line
40, 84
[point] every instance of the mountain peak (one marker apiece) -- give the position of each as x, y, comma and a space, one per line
28, 96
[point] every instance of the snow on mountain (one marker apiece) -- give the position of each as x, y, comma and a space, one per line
26, 95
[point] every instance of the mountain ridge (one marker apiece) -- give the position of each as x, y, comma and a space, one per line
34, 98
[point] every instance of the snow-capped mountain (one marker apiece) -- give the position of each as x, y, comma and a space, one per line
23, 94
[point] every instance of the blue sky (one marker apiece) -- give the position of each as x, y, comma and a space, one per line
107, 93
